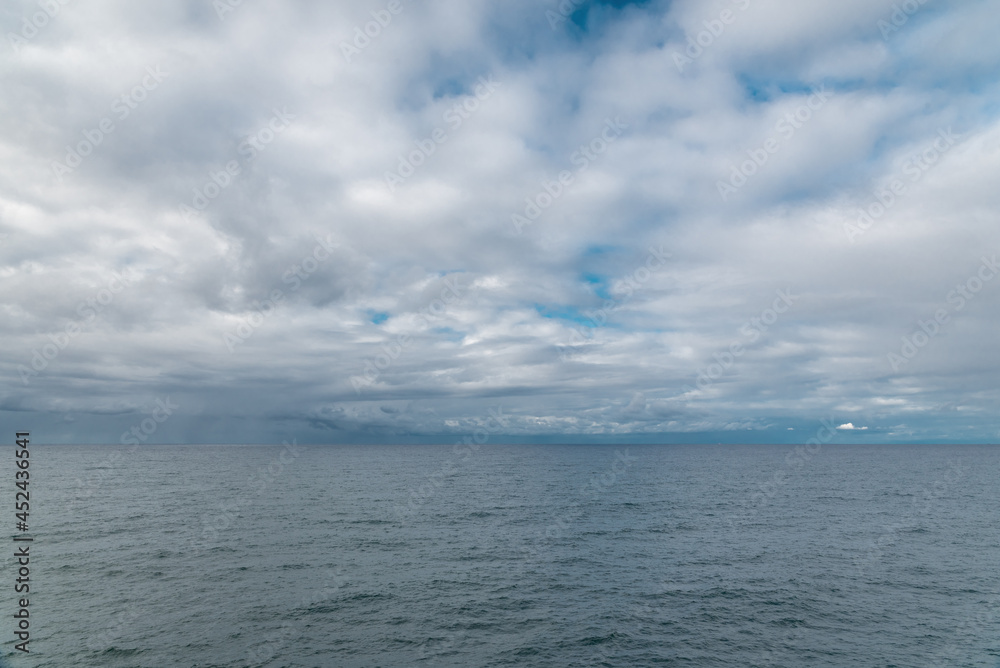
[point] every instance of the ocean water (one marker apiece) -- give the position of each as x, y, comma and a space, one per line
512, 556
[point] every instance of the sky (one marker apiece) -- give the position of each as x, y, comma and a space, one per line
415, 221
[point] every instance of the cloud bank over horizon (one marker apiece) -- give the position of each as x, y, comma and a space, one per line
395, 221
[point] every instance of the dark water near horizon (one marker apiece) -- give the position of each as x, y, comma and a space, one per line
512, 556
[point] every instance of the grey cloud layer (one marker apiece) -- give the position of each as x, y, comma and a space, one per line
204, 159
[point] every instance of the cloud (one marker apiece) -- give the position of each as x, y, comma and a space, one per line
568, 326
850, 427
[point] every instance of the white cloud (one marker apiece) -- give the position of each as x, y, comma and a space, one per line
850, 427
520, 334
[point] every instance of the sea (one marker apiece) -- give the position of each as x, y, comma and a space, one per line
510, 555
